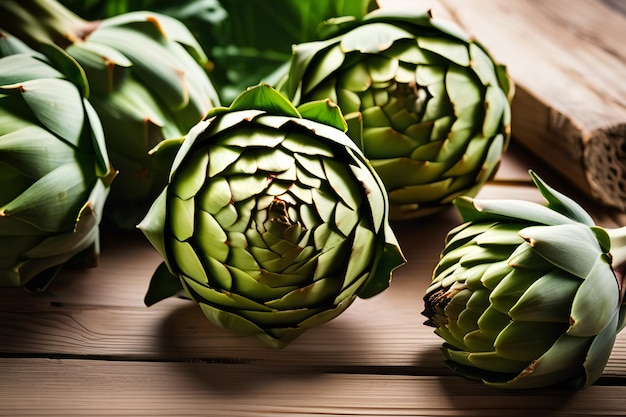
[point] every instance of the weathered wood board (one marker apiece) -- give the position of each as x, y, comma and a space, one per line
568, 62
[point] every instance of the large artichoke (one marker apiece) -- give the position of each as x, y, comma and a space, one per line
146, 81
427, 105
273, 220
54, 170
527, 295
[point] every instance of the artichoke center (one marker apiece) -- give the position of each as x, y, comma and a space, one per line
278, 212
413, 97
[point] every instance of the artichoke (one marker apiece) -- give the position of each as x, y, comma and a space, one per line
427, 105
146, 80
238, 34
527, 295
273, 221
54, 171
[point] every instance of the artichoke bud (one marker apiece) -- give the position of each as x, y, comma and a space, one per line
428, 106
273, 221
526, 295
55, 172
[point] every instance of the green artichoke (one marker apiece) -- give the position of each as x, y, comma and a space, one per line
273, 221
427, 105
527, 295
238, 34
146, 80
54, 170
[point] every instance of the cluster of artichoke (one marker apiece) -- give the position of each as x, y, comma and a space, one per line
274, 214
82, 105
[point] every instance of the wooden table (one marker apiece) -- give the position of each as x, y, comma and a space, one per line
88, 346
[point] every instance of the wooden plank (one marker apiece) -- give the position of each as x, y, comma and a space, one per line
66, 388
100, 313
568, 64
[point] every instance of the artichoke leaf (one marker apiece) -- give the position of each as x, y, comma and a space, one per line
571, 247
325, 112
162, 285
560, 202
596, 301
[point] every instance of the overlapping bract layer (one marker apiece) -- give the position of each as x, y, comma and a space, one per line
148, 84
525, 295
54, 169
274, 222
427, 105
146, 78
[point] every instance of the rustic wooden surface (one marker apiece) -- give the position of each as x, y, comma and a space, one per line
569, 64
89, 347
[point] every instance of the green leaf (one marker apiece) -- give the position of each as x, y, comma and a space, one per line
559, 363
58, 105
527, 341
324, 111
518, 210
373, 38
596, 302
70, 68
34, 151
264, 97
600, 351
162, 285
20, 68
547, 299
153, 62
52, 202
571, 247
562, 203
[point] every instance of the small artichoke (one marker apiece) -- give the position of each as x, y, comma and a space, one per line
273, 221
146, 79
54, 171
427, 105
527, 295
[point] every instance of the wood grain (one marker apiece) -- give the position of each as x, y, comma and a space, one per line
68, 388
89, 347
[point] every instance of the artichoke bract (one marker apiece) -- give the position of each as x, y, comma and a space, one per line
146, 79
428, 106
273, 221
527, 295
54, 170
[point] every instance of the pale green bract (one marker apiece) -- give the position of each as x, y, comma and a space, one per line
146, 79
527, 295
427, 105
54, 170
273, 221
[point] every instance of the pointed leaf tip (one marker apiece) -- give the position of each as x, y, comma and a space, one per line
560, 202
325, 112
266, 98
162, 285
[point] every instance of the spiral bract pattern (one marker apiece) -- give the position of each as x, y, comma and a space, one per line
428, 106
274, 223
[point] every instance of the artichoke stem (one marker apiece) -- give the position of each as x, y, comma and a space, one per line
43, 22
